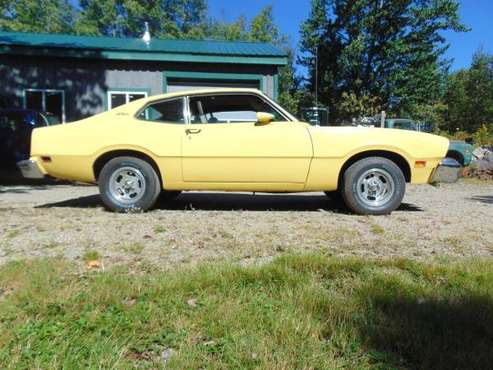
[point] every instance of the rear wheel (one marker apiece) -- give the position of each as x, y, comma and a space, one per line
373, 186
128, 184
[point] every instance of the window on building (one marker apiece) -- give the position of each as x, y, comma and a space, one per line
117, 98
46, 100
169, 111
229, 109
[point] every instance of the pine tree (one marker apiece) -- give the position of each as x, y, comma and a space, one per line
384, 53
469, 96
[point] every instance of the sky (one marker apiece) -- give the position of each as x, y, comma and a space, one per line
289, 14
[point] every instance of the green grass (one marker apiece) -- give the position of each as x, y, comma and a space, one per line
158, 229
91, 255
296, 312
377, 229
12, 234
134, 248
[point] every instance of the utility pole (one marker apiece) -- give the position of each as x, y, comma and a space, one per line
316, 76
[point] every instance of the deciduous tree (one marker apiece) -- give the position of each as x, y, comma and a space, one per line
125, 18
48, 16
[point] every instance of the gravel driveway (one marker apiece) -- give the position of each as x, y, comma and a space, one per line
67, 220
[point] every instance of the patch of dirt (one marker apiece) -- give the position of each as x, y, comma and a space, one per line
69, 220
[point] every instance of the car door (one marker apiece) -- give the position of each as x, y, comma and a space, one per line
223, 143
159, 128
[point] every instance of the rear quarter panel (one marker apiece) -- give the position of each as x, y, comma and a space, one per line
75, 147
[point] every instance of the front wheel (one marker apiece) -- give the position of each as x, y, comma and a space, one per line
128, 184
373, 186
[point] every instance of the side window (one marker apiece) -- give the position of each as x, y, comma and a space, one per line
170, 111
238, 108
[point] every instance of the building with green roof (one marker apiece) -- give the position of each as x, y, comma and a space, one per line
78, 76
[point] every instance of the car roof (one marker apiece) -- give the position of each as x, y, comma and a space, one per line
137, 104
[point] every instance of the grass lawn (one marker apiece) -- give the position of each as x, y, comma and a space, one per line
298, 312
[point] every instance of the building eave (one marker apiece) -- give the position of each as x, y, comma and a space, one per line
140, 56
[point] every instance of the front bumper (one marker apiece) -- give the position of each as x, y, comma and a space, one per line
447, 171
30, 169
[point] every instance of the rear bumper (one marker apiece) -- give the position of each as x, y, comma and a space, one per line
30, 169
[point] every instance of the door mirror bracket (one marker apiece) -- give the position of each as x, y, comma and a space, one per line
264, 118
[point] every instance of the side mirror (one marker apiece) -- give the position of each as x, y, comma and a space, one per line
264, 118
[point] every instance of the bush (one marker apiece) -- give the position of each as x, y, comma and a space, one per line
484, 136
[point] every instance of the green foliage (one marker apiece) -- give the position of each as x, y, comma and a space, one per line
352, 105
237, 30
484, 136
53, 16
91, 255
388, 49
125, 18
432, 113
263, 27
469, 96
294, 313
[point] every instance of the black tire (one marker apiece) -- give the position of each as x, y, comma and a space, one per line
385, 175
143, 175
168, 195
335, 196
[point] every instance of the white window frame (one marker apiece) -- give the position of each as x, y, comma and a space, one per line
127, 95
43, 99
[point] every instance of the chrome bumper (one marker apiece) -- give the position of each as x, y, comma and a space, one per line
30, 169
447, 171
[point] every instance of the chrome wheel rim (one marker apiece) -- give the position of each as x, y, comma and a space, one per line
375, 187
127, 185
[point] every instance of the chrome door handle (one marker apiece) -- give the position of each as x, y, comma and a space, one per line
193, 130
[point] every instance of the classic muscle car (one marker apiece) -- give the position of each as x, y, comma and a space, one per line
233, 140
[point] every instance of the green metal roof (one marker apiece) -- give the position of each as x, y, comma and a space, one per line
136, 49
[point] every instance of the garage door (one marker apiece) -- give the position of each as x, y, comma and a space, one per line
176, 86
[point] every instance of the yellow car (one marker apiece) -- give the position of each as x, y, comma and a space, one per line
233, 140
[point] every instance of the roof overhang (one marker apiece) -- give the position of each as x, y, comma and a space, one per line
163, 50
140, 55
